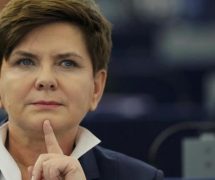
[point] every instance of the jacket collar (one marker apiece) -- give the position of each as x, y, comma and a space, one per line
89, 165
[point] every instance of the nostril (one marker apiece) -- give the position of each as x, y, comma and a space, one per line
52, 86
41, 86
46, 85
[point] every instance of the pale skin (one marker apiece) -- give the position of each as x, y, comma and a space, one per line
51, 64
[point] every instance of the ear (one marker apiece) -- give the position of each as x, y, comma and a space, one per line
99, 85
1, 105
2, 63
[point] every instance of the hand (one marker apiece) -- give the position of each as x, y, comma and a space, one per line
55, 165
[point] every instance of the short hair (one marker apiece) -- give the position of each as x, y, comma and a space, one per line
20, 17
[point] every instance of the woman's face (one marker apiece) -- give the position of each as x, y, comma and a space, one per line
49, 75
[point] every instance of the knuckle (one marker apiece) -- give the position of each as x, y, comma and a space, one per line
42, 156
45, 164
74, 165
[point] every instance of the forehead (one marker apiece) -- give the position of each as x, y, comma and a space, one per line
58, 31
54, 37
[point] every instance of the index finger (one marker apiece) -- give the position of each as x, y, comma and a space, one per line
50, 139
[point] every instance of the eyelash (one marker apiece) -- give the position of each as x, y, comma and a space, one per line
69, 63
21, 62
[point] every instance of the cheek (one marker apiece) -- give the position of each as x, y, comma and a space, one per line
10, 96
87, 91
13, 89
80, 94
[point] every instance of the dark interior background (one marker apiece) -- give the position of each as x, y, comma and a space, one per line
161, 75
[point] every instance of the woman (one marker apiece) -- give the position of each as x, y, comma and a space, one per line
2, 3
54, 57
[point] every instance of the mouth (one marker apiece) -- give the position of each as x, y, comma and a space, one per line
47, 104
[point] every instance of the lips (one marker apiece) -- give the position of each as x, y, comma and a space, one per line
47, 103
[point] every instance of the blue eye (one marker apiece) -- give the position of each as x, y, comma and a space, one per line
25, 62
68, 63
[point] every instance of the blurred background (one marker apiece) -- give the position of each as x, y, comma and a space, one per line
159, 102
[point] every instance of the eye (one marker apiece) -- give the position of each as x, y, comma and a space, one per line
25, 62
68, 64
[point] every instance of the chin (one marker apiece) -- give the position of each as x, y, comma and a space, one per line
58, 122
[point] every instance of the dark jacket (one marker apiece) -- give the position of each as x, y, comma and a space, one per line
103, 164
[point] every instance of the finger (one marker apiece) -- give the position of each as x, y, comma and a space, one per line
30, 169
63, 167
50, 139
37, 171
52, 170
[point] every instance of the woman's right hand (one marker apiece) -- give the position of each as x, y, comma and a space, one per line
55, 165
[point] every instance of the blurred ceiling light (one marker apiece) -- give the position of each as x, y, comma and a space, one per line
157, 8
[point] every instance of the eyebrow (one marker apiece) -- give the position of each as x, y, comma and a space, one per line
67, 55
58, 56
24, 53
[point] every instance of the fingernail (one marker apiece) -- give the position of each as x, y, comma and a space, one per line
32, 178
47, 122
47, 126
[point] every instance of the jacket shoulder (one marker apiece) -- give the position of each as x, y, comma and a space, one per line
125, 167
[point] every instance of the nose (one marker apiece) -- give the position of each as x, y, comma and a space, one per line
46, 81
